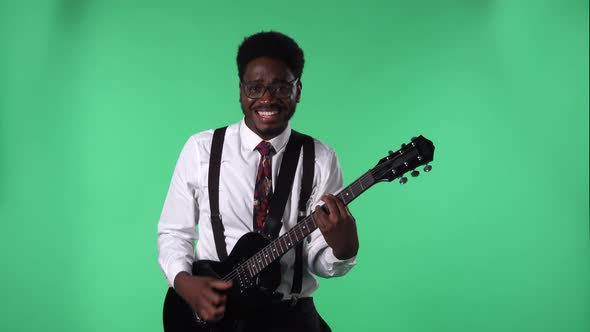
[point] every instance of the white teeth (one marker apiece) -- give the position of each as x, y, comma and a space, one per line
271, 113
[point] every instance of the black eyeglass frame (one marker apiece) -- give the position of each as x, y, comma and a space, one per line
271, 88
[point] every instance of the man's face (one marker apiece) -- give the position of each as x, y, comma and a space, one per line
269, 114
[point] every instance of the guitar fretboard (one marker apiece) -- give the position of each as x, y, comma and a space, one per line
295, 235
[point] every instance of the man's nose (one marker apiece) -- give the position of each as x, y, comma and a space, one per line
266, 95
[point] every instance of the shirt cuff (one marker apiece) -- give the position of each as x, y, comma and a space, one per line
174, 268
336, 266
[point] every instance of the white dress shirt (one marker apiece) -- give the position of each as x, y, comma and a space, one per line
187, 205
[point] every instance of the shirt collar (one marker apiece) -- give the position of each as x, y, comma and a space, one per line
250, 139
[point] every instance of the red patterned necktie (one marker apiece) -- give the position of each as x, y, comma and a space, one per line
263, 187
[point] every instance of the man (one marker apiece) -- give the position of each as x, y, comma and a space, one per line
270, 66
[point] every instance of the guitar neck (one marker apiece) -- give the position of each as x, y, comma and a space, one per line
295, 235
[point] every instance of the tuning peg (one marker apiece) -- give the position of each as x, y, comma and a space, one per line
414, 138
415, 173
404, 146
427, 168
391, 152
403, 180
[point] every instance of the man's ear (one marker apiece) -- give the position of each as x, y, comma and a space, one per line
299, 88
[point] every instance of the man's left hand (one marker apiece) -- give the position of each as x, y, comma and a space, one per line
338, 227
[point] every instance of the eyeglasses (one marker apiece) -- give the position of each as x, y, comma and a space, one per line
256, 90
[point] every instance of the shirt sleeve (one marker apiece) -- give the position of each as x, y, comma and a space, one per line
177, 226
320, 257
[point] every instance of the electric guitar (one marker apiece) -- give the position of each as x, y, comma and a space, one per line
253, 264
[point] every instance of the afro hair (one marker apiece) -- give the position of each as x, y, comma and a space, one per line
274, 45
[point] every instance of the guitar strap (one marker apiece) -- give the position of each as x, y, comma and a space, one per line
272, 223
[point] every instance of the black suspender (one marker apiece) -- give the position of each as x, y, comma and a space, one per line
272, 224
214, 166
306, 188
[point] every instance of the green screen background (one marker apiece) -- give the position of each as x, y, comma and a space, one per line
98, 97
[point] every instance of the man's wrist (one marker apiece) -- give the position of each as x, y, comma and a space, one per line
344, 255
180, 280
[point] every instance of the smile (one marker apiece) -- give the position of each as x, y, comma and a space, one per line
267, 113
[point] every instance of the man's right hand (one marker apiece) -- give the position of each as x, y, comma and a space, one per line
203, 294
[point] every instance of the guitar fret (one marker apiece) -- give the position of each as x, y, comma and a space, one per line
368, 182
264, 257
267, 258
281, 243
259, 262
254, 268
305, 225
250, 273
345, 195
358, 187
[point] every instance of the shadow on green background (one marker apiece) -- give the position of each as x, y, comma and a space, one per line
97, 98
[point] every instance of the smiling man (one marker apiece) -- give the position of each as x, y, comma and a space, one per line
227, 184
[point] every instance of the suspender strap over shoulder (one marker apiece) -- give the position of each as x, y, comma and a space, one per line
306, 188
214, 167
272, 223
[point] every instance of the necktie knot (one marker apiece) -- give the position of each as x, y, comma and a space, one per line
265, 148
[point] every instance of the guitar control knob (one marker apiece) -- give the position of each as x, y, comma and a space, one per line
403, 180
427, 168
415, 173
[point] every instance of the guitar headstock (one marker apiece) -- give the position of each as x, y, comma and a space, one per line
420, 151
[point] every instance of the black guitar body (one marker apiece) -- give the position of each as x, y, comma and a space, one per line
244, 299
